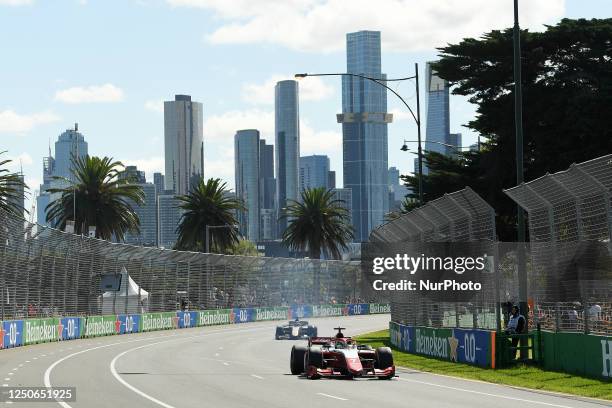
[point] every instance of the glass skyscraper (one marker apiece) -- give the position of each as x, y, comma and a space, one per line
364, 121
246, 161
183, 143
287, 141
314, 172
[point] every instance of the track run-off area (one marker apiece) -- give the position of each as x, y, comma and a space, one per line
236, 366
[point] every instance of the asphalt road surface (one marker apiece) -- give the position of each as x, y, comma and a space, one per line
236, 366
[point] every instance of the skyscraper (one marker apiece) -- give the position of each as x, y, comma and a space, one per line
168, 218
438, 114
314, 172
158, 180
246, 161
183, 143
136, 176
364, 122
396, 189
345, 196
69, 144
287, 140
453, 139
147, 211
267, 186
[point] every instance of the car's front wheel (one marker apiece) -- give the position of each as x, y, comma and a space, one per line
296, 362
313, 358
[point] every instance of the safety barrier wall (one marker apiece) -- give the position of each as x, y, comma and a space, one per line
15, 333
470, 346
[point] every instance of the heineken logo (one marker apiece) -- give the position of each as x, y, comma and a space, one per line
39, 330
327, 310
270, 314
431, 345
377, 308
208, 318
99, 327
156, 322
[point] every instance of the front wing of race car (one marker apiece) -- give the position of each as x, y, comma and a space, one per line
314, 372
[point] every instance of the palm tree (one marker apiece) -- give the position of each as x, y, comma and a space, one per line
318, 224
407, 205
208, 204
97, 197
11, 189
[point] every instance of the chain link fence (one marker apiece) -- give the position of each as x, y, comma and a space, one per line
46, 272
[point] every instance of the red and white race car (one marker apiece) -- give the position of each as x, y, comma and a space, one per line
341, 356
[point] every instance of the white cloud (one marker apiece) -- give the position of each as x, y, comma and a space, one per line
155, 105
89, 94
15, 2
318, 142
223, 127
220, 165
13, 122
310, 89
406, 25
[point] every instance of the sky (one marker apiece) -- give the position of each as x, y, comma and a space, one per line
110, 64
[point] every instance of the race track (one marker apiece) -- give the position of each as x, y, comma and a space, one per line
235, 366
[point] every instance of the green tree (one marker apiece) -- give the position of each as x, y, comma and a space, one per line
100, 198
11, 189
567, 105
318, 223
243, 247
208, 203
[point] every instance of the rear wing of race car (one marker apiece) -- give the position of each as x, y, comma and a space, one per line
324, 340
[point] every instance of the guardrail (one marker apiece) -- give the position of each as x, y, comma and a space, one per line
16, 333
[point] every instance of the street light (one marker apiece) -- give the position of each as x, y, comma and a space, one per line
417, 117
405, 148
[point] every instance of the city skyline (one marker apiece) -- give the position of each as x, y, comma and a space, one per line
114, 84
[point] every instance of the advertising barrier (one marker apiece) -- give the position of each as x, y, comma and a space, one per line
14, 333
470, 346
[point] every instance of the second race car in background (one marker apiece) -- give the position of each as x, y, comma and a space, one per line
295, 330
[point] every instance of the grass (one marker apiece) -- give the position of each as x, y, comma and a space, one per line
521, 376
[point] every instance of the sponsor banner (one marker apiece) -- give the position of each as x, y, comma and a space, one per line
214, 317
41, 330
69, 328
101, 326
329, 310
187, 319
472, 346
300, 311
11, 333
244, 315
379, 308
159, 321
272, 313
457, 345
129, 323
357, 309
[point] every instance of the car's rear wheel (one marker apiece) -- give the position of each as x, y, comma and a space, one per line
384, 359
296, 363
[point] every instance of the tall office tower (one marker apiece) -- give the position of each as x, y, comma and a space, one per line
267, 185
438, 113
314, 172
18, 199
246, 161
267, 224
331, 179
397, 190
147, 214
454, 140
346, 196
69, 144
287, 141
158, 181
168, 218
364, 121
183, 143
136, 176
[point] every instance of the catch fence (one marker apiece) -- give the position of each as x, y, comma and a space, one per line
45, 272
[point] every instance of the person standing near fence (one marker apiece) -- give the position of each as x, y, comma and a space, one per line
516, 325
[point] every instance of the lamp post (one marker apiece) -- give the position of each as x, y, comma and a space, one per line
417, 117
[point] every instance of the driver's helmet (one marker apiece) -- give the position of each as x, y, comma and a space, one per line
340, 345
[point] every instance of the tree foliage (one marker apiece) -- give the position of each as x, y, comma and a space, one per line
567, 106
100, 198
208, 203
318, 223
12, 189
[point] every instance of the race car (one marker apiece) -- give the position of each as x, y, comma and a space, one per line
295, 329
341, 356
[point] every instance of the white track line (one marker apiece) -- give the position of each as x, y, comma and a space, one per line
257, 376
549, 404
331, 396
